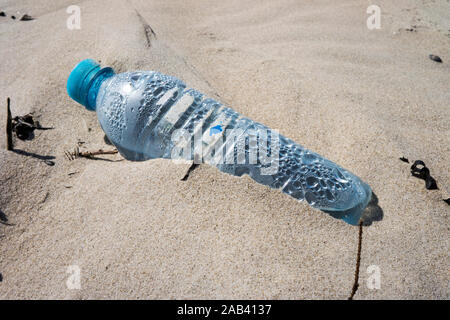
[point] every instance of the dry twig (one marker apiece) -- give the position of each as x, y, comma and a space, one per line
87, 154
9, 141
358, 262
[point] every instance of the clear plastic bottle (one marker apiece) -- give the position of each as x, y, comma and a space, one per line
148, 115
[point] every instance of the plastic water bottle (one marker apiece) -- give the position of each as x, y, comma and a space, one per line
149, 115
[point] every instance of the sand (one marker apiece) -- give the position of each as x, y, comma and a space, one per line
314, 71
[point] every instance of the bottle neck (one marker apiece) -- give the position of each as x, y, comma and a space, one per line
95, 85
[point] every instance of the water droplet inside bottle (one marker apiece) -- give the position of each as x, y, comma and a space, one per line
329, 195
339, 176
311, 182
310, 198
309, 158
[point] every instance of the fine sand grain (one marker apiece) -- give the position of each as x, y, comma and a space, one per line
313, 70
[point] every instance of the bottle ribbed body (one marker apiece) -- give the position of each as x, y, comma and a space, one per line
149, 115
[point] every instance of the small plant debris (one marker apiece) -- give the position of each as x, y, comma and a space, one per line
412, 29
435, 58
404, 159
447, 201
87, 154
9, 141
191, 168
2, 14
26, 17
420, 170
24, 126
358, 262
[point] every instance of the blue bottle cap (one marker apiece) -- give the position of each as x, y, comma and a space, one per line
80, 80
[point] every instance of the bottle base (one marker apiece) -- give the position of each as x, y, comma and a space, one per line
353, 215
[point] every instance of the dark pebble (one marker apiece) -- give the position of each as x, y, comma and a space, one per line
26, 17
2, 14
435, 58
13, 17
447, 201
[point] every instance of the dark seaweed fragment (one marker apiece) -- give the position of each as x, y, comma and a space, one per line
420, 170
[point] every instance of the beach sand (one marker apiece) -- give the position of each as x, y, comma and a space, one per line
314, 71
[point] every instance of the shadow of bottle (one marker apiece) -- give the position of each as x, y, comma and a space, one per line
372, 212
